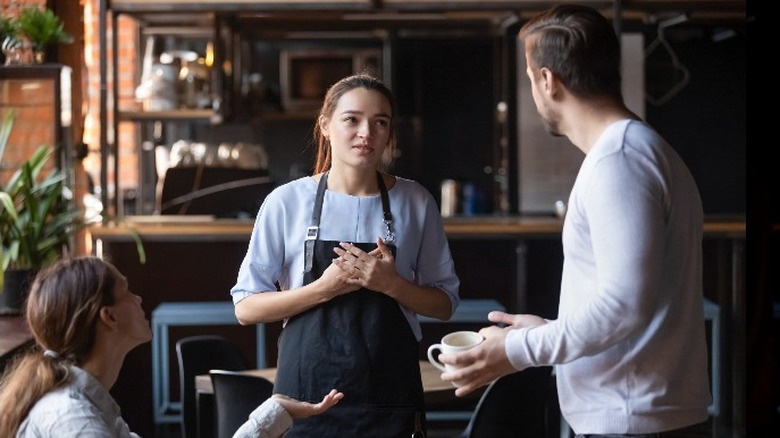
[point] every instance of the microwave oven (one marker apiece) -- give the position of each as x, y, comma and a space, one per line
306, 74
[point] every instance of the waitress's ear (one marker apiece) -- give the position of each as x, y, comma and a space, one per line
323, 123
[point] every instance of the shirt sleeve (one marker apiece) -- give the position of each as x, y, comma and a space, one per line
436, 266
617, 225
269, 420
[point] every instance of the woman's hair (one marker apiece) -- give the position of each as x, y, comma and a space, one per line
62, 310
579, 46
363, 80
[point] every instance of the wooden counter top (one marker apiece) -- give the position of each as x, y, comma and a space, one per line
14, 334
436, 389
483, 227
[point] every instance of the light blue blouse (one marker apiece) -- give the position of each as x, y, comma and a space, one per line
275, 251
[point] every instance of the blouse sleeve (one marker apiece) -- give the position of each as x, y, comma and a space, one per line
262, 264
269, 420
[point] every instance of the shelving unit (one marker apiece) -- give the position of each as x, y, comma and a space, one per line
236, 37
241, 23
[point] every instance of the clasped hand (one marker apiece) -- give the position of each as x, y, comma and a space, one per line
373, 270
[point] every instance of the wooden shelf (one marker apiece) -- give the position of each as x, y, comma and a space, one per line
172, 228
174, 115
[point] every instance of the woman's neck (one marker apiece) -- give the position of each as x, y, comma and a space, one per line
353, 182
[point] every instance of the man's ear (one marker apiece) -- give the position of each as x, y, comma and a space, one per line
548, 81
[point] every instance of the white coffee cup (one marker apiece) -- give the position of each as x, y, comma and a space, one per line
453, 343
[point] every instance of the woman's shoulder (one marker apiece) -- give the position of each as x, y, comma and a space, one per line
57, 403
408, 185
412, 189
294, 188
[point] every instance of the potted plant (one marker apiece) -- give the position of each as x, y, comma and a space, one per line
41, 27
37, 218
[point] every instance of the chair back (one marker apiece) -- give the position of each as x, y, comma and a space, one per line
521, 404
197, 355
236, 395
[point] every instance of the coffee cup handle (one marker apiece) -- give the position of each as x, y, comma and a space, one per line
434, 361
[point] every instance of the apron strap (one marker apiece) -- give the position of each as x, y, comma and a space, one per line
313, 231
314, 226
387, 217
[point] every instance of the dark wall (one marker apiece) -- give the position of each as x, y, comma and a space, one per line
706, 121
445, 95
763, 241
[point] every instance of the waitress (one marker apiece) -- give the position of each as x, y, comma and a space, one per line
348, 258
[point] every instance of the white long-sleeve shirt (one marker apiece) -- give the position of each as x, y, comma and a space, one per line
629, 342
83, 408
269, 420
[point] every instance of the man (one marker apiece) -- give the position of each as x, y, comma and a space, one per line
629, 344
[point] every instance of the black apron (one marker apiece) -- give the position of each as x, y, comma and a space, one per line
359, 343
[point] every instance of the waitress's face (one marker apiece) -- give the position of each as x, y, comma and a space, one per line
359, 129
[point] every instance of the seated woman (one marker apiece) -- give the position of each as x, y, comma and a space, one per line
85, 320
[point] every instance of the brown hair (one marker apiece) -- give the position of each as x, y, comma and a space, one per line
323, 156
62, 311
579, 46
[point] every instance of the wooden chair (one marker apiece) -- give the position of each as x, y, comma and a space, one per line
236, 395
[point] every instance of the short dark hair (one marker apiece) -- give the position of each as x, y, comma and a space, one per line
579, 45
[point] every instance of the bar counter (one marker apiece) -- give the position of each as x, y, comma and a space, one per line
477, 227
14, 335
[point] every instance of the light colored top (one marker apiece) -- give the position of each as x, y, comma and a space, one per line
83, 408
275, 251
629, 342
269, 420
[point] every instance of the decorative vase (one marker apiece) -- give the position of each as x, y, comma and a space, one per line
17, 284
18, 51
39, 56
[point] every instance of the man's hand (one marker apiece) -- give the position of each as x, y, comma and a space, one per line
481, 365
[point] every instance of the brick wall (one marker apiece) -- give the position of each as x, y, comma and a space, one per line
32, 122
